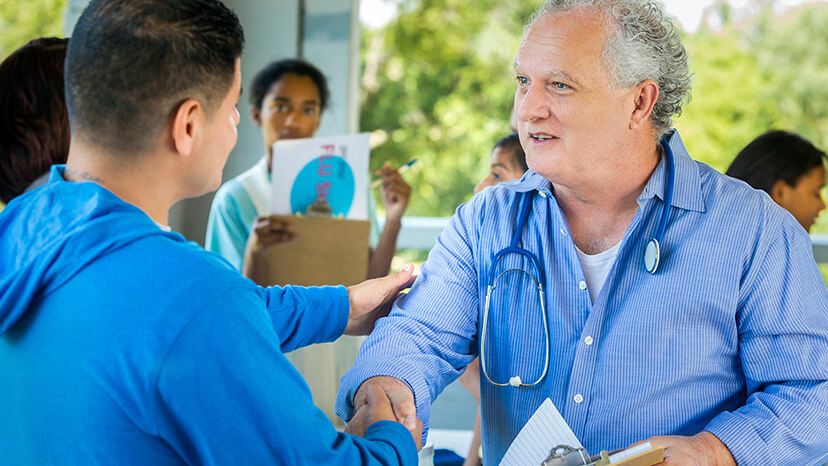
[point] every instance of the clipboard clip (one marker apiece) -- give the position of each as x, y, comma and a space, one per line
565, 455
641, 455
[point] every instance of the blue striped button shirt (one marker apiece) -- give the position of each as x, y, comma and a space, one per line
729, 336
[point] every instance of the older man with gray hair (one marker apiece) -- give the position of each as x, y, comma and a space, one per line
647, 295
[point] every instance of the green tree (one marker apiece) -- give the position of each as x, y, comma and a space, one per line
727, 109
438, 86
22, 21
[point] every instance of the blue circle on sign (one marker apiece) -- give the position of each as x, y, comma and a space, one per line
330, 177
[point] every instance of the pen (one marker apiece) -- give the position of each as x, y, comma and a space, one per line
404, 168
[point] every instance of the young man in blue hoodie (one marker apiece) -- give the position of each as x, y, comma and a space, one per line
122, 343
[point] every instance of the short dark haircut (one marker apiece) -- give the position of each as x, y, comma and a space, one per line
273, 72
132, 63
512, 143
34, 129
775, 155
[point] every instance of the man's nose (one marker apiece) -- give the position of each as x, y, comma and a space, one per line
532, 105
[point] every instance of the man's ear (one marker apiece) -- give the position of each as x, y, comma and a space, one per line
256, 116
185, 126
645, 96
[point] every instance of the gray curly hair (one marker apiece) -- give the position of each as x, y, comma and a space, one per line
645, 44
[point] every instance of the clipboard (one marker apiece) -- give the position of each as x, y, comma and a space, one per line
647, 458
327, 251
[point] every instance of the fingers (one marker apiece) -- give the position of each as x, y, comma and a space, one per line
377, 406
269, 231
373, 299
403, 279
387, 170
357, 425
417, 433
405, 411
377, 392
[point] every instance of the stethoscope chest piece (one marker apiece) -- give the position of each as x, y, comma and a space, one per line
652, 256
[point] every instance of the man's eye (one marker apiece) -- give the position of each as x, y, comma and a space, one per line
559, 86
495, 176
522, 80
310, 111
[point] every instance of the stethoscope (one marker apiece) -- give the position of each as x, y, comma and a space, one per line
652, 259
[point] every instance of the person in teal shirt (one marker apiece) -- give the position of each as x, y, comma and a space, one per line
121, 342
287, 101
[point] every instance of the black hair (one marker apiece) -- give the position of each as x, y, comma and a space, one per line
131, 63
273, 72
34, 129
512, 142
775, 155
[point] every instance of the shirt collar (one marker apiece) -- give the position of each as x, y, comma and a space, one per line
687, 192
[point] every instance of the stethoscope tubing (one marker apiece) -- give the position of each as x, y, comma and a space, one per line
652, 259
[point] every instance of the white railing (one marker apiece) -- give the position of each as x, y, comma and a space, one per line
420, 233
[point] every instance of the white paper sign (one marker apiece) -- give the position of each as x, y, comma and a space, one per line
545, 430
333, 168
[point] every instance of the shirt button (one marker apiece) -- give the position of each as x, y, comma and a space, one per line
578, 398
542, 194
582, 285
588, 341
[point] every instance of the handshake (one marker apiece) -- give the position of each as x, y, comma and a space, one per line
385, 399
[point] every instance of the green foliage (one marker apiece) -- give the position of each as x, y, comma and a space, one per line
768, 73
725, 112
438, 86
22, 21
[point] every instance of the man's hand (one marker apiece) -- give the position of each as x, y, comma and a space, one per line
401, 398
377, 407
395, 192
372, 299
703, 449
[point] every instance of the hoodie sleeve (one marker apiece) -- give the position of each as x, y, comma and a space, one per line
303, 316
225, 391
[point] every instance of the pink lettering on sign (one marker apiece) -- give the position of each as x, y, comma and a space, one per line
323, 188
324, 167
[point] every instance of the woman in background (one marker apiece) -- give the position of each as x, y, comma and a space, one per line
507, 162
789, 168
34, 128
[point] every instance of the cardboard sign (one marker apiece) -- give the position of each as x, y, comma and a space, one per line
327, 251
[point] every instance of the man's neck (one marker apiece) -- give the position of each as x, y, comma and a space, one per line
134, 179
599, 213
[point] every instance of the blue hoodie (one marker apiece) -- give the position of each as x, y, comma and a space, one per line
121, 343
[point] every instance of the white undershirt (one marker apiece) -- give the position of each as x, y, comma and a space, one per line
597, 267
